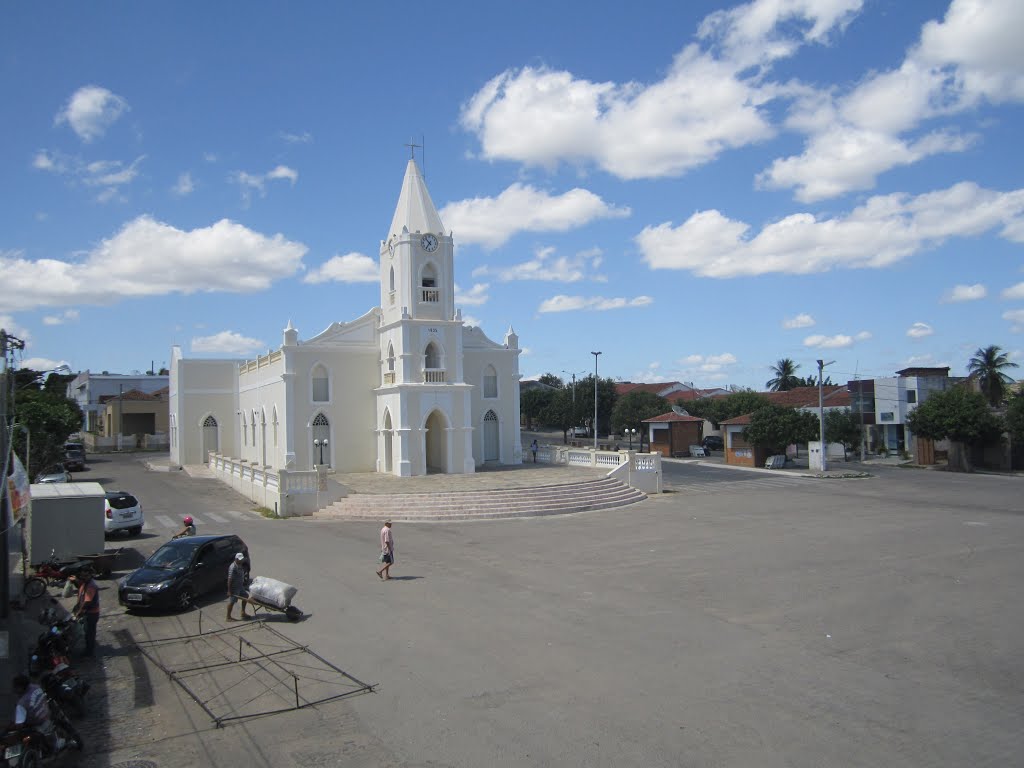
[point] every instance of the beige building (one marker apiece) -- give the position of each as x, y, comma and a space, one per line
406, 389
135, 413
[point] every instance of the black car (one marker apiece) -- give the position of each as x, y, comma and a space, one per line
181, 570
713, 443
74, 460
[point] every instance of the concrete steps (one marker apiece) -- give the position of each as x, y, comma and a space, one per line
484, 505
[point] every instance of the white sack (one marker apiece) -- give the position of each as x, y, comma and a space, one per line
272, 591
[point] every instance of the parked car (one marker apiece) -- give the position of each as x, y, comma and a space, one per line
74, 459
579, 431
713, 443
123, 512
74, 446
180, 571
55, 474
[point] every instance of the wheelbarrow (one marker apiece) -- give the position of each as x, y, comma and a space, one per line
273, 596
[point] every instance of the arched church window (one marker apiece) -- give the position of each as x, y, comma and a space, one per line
391, 358
321, 384
490, 382
432, 356
391, 281
428, 281
275, 426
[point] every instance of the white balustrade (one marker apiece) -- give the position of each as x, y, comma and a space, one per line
433, 376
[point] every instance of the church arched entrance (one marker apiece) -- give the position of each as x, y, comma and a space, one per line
491, 437
210, 443
321, 440
389, 437
436, 442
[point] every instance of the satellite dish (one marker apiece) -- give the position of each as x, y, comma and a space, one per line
678, 410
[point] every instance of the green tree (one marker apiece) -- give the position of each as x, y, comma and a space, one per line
606, 397
551, 380
534, 402
632, 408
50, 418
843, 426
987, 367
958, 415
774, 427
1015, 417
812, 381
785, 377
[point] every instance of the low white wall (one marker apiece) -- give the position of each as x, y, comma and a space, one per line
290, 493
637, 470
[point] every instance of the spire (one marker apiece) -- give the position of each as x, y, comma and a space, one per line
415, 210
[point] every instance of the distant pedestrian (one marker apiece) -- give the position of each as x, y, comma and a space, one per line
533, 450
387, 551
88, 607
236, 586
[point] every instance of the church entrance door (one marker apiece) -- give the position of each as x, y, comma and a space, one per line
209, 438
491, 441
436, 443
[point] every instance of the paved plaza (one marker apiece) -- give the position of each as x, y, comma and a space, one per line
730, 622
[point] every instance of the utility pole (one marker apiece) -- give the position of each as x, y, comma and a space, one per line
7, 345
821, 415
595, 354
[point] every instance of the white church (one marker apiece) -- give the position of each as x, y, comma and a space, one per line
407, 389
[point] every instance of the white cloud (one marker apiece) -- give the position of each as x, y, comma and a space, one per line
111, 173
839, 341
349, 268
226, 343
68, 315
471, 321
1014, 315
965, 293
802, 320
705, 364
920, 330
492, 221
970, 57
562, 269
573, 303
709, 100
108, 174
297, 138
91, 110
184, 186
1014, 292
474, 297
883, 231
258, 182
150, 258
284, 172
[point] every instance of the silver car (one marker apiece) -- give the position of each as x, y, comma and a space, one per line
54, 475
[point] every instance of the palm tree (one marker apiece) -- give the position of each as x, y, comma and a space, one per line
987, 367
785, 376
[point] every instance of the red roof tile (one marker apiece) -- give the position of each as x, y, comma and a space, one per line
741, 420
673, 416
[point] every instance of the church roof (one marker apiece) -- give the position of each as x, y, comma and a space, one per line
415, 209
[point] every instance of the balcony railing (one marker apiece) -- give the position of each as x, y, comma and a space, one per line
389, 377
433, 376
431, 295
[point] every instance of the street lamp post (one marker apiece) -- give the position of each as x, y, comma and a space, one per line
320, 445
631, 432
821, 414
595, 354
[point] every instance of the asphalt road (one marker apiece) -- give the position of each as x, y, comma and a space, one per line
728, 623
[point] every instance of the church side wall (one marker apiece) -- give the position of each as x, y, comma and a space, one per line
204, 388
354, 374
259, 392
505, 405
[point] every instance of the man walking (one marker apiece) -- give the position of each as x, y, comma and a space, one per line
533, 449
88, 606
387, 551
236, 586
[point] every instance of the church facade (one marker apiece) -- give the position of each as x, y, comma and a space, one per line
407, 389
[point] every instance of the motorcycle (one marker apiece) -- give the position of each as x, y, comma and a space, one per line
58, 680
50, 573
26, 746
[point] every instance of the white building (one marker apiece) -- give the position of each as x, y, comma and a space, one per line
405, 389
91, 390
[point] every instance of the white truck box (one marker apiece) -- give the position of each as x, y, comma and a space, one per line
66, 518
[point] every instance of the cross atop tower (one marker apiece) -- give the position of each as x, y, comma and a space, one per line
412, 149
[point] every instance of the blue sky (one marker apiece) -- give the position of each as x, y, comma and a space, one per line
694, 189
